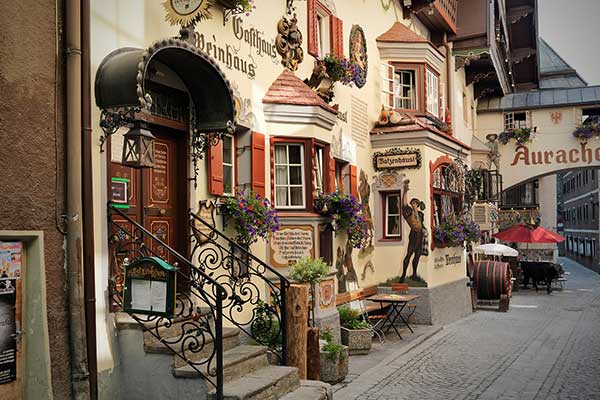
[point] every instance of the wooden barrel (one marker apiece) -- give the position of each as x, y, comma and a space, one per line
492, 279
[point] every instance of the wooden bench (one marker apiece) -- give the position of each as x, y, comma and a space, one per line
361, 295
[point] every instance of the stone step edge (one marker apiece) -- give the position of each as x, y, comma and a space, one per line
262, 379
125, 321
157, 346
230, 358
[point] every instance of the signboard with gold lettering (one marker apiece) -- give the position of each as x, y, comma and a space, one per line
291, 243
397, 159
150, 287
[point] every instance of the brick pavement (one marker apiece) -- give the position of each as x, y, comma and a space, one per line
545, 347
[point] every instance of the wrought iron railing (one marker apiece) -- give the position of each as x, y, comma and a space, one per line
220, 276
247, 280
196, 330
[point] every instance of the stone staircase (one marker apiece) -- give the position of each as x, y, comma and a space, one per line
247, 373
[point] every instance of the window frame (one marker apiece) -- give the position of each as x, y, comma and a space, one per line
386, 236
456, 197
323, 30
342, 179
287, 144
233, 165
508, 119
434, 101
316, 147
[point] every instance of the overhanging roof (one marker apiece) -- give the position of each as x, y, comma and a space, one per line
122, 75
589, 95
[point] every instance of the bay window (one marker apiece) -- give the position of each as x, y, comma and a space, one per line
289, 175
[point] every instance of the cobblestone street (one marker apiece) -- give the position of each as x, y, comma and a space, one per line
545, 347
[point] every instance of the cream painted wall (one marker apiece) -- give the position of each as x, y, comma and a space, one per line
547, 200
139, 23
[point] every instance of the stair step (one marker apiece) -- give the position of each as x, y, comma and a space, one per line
270, 382
173, 331
307, 393
230, 338
237, 362
125, 321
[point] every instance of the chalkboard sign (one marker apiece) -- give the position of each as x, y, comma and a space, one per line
150, 287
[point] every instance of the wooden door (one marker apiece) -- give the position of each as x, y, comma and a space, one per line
156, 197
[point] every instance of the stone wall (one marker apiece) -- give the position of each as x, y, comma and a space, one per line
32, 152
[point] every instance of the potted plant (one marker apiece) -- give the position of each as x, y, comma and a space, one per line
241, 6
356, 333
333, 359
310, 271
455, 231
346, 211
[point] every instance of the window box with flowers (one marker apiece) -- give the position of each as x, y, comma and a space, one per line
329, 70
588, 130
456, 231
521, 136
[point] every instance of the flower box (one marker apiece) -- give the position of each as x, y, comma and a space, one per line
359, 341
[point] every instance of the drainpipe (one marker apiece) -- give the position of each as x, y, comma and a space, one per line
89, 281
79, 371
448, 82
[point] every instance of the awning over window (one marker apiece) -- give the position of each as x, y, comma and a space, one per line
122, 75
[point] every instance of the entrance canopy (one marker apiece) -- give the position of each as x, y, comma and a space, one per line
122, 76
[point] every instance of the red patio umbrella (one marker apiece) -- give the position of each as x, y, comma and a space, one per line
523, 234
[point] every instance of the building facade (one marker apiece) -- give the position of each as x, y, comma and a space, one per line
580, 213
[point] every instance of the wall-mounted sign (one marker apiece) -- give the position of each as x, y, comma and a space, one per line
326, 294
206, 212
447, 260
150, 287
397, 159
358, 54
186, 12
291, 243
118, 192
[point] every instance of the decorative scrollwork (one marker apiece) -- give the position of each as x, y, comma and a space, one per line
289, 43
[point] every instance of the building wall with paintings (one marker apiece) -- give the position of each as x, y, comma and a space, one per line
244, 48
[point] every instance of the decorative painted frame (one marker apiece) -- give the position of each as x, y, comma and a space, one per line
358, 54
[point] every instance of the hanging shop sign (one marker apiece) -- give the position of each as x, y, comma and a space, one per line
231, 56
289, 43
150, 287
358, 54
187, 12
397, 158
291, 243
206, 212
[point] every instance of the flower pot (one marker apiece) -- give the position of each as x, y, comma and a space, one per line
358, 340
334, 370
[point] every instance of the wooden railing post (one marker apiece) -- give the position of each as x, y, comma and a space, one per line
297, 327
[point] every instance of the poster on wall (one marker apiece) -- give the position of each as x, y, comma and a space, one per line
290, 244
8, 331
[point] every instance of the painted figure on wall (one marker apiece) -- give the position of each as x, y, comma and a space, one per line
364, 191
417, 243
345, 273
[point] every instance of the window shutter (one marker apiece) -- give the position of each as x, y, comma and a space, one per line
331, 175
215, 169
353, 181
336, 33
258, 163
313, 30
388, 87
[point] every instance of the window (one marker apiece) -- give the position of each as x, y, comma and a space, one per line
325, 31
228, 166
517, 120
433, 94
447, 192
289, 175
392, 209
405, 90
318, 168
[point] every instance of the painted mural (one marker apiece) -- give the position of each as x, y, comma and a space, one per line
417, 239
364, 192
345, 272
358, 54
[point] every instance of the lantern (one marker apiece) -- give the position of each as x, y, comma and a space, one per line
138, 147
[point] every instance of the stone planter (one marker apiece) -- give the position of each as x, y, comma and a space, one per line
334, 370
359, 341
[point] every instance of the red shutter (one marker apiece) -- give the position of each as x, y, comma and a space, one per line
258, 163
331, 175
215, 169
336, 33
353, 181
313, 30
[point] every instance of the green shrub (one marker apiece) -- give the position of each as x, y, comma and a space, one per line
351, 319
309, 270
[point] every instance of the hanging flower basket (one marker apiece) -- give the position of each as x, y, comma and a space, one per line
455, 232
520, 135
346, 211
253, 217
241, 6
